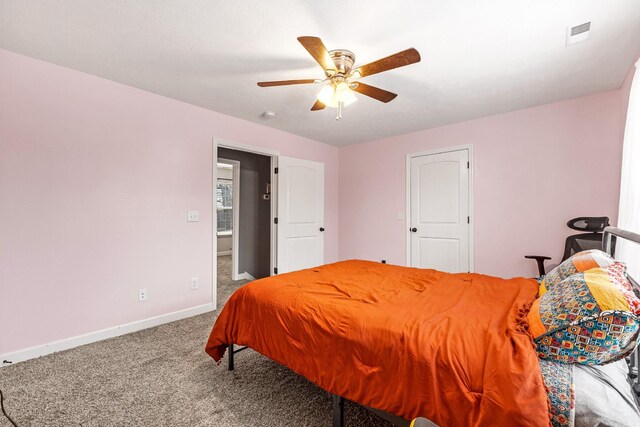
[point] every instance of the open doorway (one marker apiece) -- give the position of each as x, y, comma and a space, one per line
244, 210
283, 198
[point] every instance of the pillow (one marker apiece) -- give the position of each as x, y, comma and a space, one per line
582, 261
588, 318
604, 397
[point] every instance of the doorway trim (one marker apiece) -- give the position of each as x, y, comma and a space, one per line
273, 154
235, 205
469, 148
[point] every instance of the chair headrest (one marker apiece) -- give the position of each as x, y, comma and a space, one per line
594, 224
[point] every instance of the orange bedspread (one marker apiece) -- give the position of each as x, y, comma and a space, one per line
413, 342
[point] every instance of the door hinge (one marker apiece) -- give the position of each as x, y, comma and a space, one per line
468, 220
275, 220
275, 171
467, 165
275, 270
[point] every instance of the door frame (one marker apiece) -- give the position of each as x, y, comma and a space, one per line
467, 147
235, 206
273, 154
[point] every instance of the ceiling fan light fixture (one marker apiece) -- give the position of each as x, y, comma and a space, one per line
331, 95
338, 69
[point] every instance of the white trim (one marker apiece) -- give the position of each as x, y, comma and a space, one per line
223, 253
274, 214
407, 212
235, 206
227, 233
214, 225
469, 148
472, 218
245, 276
218, 142
442, 150
88, 338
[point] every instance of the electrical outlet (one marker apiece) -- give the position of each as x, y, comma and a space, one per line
194, 283
142, 295
193, 216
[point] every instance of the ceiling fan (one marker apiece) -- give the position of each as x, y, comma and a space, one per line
342, 78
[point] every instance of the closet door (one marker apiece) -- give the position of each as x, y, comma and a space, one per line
439, 211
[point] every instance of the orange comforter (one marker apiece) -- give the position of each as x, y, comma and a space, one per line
413, 342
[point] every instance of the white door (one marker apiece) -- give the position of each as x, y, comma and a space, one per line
300, 214
439, 211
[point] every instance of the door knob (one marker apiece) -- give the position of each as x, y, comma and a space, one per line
413, 230
321, 228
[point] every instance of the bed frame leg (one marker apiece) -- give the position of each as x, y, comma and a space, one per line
338, 411
230, 351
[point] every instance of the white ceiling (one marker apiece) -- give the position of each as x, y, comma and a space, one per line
478, 57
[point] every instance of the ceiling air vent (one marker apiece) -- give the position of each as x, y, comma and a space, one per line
578, 33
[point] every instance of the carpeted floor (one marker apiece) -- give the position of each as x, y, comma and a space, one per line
162, 377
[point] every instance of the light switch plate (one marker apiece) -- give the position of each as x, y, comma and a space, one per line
193, 216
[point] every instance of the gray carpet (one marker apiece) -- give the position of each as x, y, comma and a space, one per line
162, 377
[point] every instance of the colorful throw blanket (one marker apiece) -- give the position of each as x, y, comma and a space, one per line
558, 377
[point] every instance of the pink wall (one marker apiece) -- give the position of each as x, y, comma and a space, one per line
96, 179
534, 169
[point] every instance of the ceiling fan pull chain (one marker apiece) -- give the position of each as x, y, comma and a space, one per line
339, 115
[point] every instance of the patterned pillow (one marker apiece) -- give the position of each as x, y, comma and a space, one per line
588, 318
582, 261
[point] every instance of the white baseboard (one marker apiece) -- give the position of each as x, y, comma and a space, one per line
244, 276
223, 253
65, 344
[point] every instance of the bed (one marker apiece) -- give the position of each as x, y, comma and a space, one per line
454, 348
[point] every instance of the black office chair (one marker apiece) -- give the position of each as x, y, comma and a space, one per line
590, 238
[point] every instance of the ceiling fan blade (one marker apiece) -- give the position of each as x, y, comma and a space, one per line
286, 82
319, 52
318, 106
397, 60
374, 92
